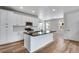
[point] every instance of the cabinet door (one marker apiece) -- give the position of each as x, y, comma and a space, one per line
12, 36
13, 18
3, 37
19, 19
24, 19
0, 25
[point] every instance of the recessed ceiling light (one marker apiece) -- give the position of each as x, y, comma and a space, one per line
53, 9
21, 7
33, 11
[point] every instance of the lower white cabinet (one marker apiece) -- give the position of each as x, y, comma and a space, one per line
3, 35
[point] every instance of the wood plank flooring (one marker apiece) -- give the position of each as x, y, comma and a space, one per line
69, 47
58, 46
16, 47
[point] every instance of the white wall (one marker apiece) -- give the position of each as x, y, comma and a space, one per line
53, 25
72, 26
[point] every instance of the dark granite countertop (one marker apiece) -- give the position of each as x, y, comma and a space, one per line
37, 33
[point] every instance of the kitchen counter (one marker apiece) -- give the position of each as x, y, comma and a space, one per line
37, 33
36, 40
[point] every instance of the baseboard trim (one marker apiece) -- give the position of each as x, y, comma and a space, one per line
71, 40
11, 42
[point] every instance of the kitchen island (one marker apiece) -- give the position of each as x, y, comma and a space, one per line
35, 40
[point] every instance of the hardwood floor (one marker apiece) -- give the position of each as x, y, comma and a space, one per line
69, 47
58, 46
16, 47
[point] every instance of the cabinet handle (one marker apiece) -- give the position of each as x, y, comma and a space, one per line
68, 30
6, 26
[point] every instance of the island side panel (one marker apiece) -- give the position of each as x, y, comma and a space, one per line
27, 42
40, 41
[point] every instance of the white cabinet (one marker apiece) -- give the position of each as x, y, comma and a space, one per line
24, 19
35, 21
7, 20
3, 35
3, 26
19, 19
14, 18
12, 36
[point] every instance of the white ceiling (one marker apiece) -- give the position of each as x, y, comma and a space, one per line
45, 12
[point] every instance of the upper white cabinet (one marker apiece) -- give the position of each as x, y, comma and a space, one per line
16, 18
20, 19
23, 20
